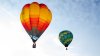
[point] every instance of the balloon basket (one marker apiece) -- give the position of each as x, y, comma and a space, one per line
34, 45
66, 48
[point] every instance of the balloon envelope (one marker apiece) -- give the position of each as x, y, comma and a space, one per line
35, 18
65, 37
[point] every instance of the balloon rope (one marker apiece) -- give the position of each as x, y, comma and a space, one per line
66, 48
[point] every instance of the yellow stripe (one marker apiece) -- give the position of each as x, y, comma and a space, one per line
21, 17
45, 13
34, 10
26, 13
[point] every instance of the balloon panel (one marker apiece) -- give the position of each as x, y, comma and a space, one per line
25, 19
45, 17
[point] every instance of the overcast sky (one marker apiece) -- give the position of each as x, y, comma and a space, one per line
81, 17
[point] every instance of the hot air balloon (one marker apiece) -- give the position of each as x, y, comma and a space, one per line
35, 19
65, 38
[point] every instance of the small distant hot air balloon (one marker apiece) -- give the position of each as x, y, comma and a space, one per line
35, 18
65, 38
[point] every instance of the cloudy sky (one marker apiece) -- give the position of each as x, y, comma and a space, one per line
81, 17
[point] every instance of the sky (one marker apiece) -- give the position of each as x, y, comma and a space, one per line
81, 17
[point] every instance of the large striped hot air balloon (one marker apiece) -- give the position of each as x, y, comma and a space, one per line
35, 18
